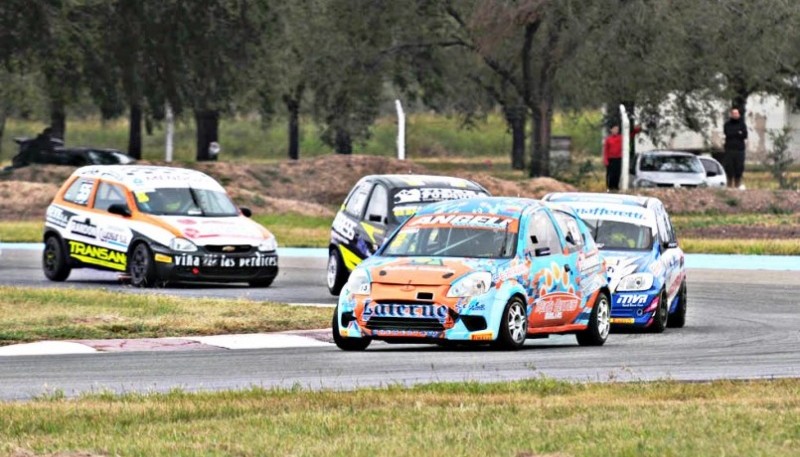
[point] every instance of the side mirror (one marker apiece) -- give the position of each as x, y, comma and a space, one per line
246, 211
541, 252
375, 218
120, 209
668, 245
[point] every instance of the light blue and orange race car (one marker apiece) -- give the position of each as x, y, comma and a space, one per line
646, 271
487, 270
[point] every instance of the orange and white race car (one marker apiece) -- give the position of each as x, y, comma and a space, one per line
154, 224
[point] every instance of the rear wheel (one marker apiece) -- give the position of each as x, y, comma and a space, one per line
142, 267
513, 326
678, 318
337, 272
661, 315
599, 323
344, 343
54, 260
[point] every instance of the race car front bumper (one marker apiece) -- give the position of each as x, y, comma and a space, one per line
203, 266
634, 308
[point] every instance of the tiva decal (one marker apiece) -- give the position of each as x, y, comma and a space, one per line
630, 300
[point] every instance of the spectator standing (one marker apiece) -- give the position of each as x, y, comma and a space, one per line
735, 136
612, 155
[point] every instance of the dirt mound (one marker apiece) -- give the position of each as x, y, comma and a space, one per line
727, 201
531, 188
55, 174
21, 200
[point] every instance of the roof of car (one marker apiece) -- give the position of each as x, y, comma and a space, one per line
145, 177
620, 207
659, 152
502, 206
597, 197
424, 181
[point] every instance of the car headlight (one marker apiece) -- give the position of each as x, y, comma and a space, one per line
636, 281
645, 183
268, 245
471, 285
359, 282
182, 245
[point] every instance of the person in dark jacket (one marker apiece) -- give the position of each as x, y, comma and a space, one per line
735, 136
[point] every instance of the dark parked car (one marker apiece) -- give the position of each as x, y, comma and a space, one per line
63, 155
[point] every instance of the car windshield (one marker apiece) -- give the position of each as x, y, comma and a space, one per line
184, 201
477, 236
668, 163
407, 200
615, 235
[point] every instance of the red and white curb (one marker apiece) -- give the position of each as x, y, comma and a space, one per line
298, 339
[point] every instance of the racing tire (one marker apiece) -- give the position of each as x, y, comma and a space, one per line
261, 282
344, 343
337, 272
513, 326
661, 316
678, 318
141, 266
599, 327
54, 260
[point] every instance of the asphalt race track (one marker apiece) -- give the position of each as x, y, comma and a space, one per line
741, 324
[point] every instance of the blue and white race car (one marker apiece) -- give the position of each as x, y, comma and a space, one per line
646, 272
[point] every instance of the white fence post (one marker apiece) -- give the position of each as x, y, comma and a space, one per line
170, 119
626, 147
401, 131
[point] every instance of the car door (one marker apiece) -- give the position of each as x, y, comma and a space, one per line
347, 232
545, 250
376, 218
671, 257
80, 230
574, 245
113, 230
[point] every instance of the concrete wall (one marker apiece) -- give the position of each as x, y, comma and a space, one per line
765, 114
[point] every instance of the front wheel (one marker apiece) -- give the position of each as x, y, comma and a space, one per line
678, 318
513, 326
661, 315
599, 323
54, 260
344, 343
142, 267
337, 272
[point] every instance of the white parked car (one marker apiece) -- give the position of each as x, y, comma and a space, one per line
668, 169
715, 172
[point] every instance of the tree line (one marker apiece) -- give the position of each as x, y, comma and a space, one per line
332, 61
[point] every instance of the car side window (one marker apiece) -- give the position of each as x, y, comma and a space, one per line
355, 203
80, 191
107, 195
378, 207
542, 234
571, 230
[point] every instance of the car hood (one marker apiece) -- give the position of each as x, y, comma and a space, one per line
622, 263
430, 271
663, 177
204, 231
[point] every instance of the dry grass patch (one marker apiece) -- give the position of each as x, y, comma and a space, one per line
28, 315
533, 417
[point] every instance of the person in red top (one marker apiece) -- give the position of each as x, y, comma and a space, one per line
612, 155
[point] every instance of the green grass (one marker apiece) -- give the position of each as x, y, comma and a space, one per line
295, 230
28, 314
698, 221
537, 417
739, 246
21, 231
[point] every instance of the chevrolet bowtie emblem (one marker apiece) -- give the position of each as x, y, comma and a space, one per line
228, 248
407, 287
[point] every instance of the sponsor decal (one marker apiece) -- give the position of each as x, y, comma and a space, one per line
464, 220
163, 258
486, 336
589, 264
601, 211
96, 255
622, 320
83, 228
57, 217
554, 305
591, 284
407, 333
431, 194
257, 261
630, 300
115, 235
405, 310
519, 269
344, 226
